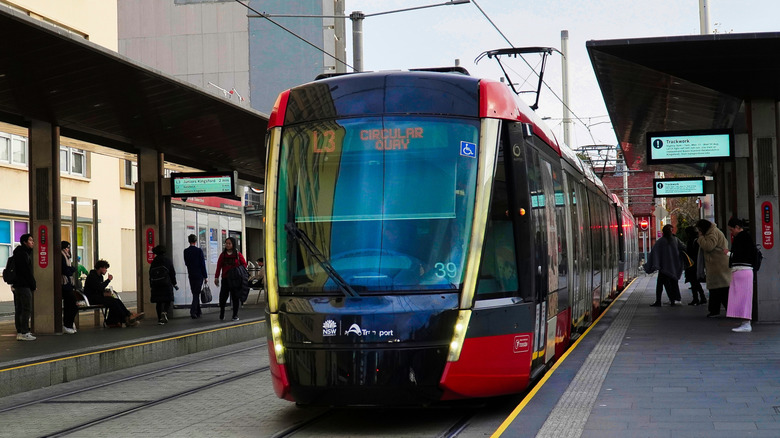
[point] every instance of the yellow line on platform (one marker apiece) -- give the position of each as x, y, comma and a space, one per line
132, 345
502, 428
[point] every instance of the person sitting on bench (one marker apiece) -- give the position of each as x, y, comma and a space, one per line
95, 289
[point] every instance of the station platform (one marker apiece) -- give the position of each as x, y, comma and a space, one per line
666, 371
53, 359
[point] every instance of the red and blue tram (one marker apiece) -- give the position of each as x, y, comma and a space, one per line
427, 238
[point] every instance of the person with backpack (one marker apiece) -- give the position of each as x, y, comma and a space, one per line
23, 286
742, 259
229, 261
162, 279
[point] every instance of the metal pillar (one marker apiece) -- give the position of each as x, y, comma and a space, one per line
763, 131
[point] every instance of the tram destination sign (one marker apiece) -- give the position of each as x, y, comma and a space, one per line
188, 184
696, 146
671, 187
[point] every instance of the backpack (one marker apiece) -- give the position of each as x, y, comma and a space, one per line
759, 259
159, 277
9, 273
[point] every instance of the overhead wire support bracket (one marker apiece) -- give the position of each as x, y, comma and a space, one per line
514, 52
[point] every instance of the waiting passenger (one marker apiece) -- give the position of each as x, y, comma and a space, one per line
196, 273
692, 249
162, 280
742, 258
713, 245
665, 258
69, 307
257, 281
228, 261
96, 292
23, 287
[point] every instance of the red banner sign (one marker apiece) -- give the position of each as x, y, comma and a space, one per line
767, 229
43, 246
149, 245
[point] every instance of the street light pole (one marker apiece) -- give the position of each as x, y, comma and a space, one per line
357, 18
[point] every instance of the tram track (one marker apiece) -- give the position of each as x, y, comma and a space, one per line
452, 421
129, 378
147, 405
458, 427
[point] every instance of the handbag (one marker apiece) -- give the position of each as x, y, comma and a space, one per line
205, 293
686, 260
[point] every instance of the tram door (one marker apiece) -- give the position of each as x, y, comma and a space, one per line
545, 260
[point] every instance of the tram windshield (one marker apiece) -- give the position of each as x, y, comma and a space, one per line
387, 202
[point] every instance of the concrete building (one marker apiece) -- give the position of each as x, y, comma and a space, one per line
215, 45
209, 43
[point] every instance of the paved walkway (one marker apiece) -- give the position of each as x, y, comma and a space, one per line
660, 372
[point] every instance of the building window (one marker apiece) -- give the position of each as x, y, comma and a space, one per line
13, 149
131, 173
10, 232
73, 161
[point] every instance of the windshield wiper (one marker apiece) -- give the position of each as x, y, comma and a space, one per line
299, 235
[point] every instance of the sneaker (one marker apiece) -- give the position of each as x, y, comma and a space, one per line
68, 330
25, 337
20, 336
656, 304
164, 318
235, 318
160, 322
694, 303
713, 315
744, 328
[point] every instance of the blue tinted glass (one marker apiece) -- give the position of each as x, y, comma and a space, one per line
386, 200
5, 231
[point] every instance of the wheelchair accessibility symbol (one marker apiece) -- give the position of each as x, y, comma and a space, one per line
468, 149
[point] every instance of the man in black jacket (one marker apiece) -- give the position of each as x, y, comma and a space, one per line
23, 287
96, 292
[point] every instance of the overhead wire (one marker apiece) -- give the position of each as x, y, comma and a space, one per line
576, 117
293, 33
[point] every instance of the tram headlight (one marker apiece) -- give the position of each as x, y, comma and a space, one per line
459, 335
276, 336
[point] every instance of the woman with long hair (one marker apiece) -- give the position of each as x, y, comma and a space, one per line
665, 258
230, 259
742, 258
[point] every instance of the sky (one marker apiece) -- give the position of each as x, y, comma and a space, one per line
438, 36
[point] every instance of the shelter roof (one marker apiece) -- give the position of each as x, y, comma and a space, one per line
96, 95
681, 83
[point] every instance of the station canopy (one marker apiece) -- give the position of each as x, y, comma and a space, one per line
98, 96
683, 83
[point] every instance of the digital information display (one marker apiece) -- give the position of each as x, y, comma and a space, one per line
203, 184
690, 146
671, 187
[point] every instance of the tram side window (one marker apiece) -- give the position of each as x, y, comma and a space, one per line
498, 270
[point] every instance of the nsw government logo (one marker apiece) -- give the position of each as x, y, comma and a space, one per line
329, 328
